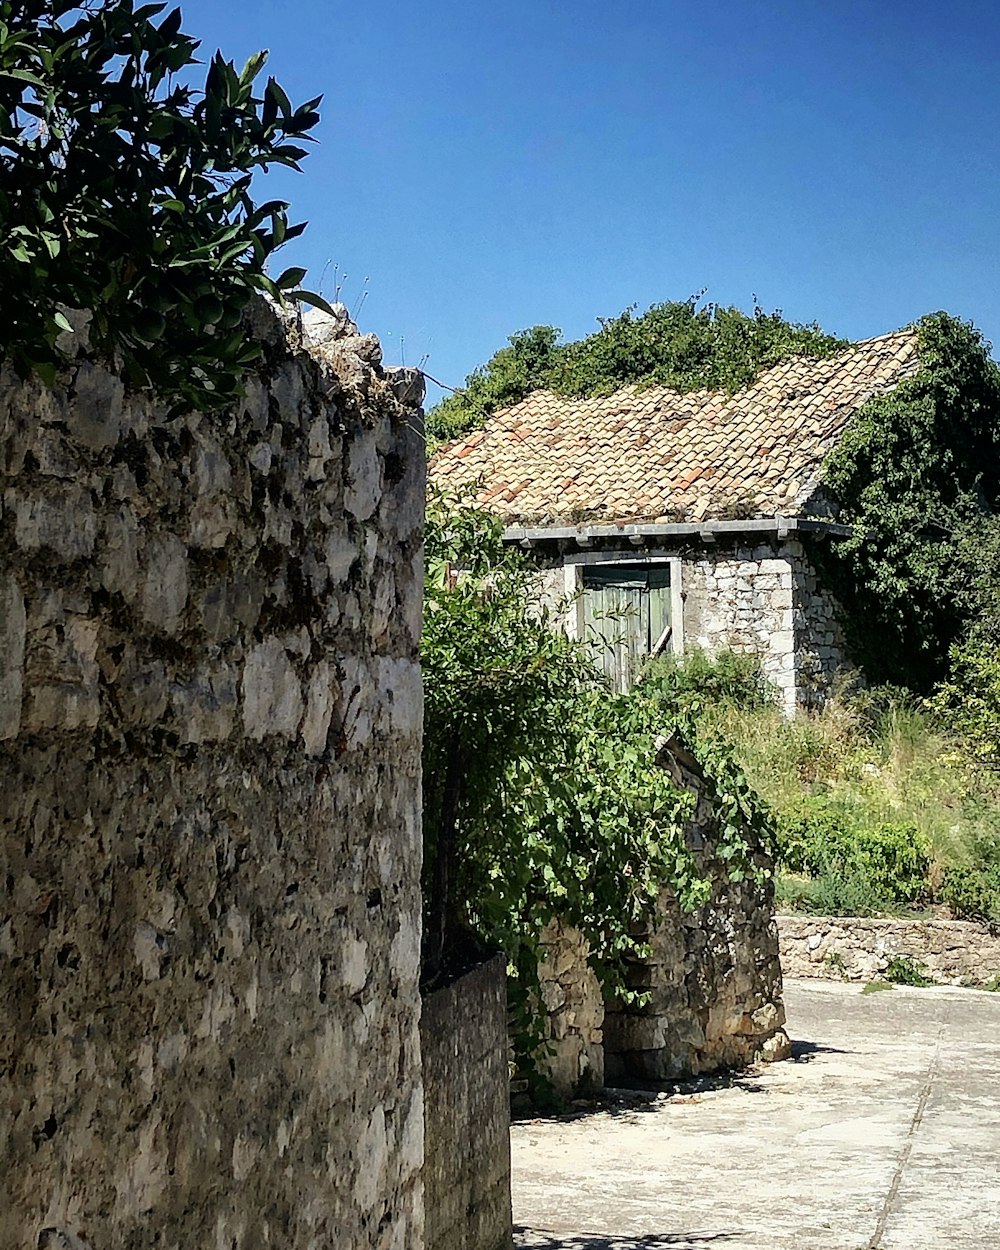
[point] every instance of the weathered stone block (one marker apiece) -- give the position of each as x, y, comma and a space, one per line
62, 522
12, 637
165, 590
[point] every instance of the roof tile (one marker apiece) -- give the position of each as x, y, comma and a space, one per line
653, 454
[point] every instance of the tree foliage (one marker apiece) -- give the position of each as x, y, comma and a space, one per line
684, 344
542, 797
126, 191
917, 475
516, 752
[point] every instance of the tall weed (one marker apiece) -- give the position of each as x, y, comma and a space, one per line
878, 803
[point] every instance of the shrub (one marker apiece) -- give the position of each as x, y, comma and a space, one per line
830, 895
972, 892
541, 793
905, 971
854, 867
969, 701
696, 680
917, 477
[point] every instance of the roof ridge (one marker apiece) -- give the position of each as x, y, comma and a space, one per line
910, 331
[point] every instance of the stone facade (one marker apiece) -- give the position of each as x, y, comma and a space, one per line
210, 720
956, 952
712, 979
766, 601
467, 1112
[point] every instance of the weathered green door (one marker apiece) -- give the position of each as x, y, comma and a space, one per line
626, 614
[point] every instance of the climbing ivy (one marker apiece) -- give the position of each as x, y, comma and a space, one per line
684, 344
917, 476
125, 190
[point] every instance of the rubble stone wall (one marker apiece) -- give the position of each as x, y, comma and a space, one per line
766, 601
463, 1033
712, 980
210, 720
572, 1058
957, 952
713, 977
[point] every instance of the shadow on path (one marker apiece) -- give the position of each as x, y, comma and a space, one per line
802, 1052
539, 1239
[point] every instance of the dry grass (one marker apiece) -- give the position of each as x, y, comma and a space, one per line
885, 760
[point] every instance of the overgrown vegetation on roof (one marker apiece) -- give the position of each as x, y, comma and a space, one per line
684, 344
125, 192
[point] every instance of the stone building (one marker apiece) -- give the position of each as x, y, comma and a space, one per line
673, 520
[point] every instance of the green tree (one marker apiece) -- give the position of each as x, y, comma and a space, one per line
126, 191
917, 476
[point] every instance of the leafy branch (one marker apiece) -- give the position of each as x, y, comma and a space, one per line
126, 191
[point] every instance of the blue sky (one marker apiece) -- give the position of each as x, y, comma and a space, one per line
493, 166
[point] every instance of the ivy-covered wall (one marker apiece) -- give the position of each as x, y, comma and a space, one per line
710, 985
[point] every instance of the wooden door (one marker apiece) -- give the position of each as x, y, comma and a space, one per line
626, 612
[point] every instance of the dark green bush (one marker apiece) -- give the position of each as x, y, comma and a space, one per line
905, 971
972, 892
829, 895
852, 867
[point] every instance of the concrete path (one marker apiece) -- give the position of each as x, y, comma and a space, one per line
881, 1133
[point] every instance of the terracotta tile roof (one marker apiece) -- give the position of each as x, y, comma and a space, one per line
655, 455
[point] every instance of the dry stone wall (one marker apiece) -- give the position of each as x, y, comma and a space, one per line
572, 1057
210, 718
467, 1112
767, 601
713, 978
712, 981
956, 952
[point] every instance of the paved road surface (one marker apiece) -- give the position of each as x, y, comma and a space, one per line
882, 1133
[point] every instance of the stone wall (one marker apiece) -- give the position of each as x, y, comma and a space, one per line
467, 1113
763, 600
713, 977
766, 601
712, 980
957, 952
210, 716
572, 1059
